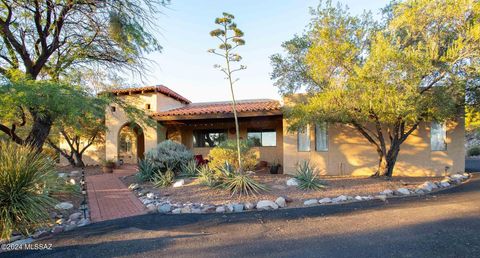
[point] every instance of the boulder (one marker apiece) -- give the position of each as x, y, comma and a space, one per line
266, 205
75, 216
83, 222
281, 202
249, 206
64, 206
382, 197
150, 195
358, 198
420, 191
325, 200
177, 210
292, 182
151, 208
310, 202
427, 186
458, 177
72, 181
196, 210
238, 207
403, 191
444, 184
209, 208
165, 208
386, 192
179, 183
70, 227
220, 209
186, 209
57, 229
341, 198
74, 173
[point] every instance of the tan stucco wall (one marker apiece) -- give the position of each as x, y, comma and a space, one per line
92, 156
184, 135
350, 154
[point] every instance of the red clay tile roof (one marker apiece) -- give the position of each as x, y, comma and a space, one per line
225, 107
159, 88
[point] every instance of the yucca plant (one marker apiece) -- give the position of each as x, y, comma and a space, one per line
207, 176
190, 169
146, 170
164, 179
27, 181
240, 183
307, 177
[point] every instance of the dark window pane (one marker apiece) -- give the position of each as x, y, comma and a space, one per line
266, 138
208, 138
255, 138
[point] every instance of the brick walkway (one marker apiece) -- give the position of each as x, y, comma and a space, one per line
109, 198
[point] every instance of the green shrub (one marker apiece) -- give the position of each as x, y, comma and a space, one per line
227, 152
190, 169
474, 151
307, 177
164, 179
146, 170
27, 181
169, 154
208, 177
239, 183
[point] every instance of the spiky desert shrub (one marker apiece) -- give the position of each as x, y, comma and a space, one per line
307, 177
27, 181
240, 183
146, 170
190, 169
208, 177
227, 152
169, 154
164, 179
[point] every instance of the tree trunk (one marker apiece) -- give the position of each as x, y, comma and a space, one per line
79, 159
388, 161
42, 123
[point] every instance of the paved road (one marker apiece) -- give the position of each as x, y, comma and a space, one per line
446, 224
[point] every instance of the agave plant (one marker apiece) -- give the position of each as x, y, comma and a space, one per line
190, 169
240, 183
207, 176
146, 170
307, 177
27, 181
164, 179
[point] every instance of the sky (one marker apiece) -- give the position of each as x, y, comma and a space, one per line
183, 31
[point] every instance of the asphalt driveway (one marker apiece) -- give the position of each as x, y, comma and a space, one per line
446, 224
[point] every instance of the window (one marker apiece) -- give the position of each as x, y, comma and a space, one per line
321, 136
438, 136
113, 109
303, 141
263, 138
208, 138
147, 106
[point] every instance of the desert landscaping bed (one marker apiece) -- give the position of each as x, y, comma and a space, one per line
190, 196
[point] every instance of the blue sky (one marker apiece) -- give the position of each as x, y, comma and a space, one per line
183, 30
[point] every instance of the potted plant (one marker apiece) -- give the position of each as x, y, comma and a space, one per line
108, 166
275, 167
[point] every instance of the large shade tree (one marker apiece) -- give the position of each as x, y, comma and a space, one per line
382, 78
46, 40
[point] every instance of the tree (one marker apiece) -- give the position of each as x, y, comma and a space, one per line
45, 40
384, 79
230, 37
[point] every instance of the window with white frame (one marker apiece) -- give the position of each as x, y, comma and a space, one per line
321, 136
438, 136
303, 139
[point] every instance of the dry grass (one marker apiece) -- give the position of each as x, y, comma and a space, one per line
195, 193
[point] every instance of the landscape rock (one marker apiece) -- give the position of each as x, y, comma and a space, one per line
358, 198
186, 209
403, 191
177, 210
179, 183
420, 191
292, 182
75, 173
72, 181
151, 208
386, 192
70, 227
266, 205
428, 186
341, 198
57, 229
64, 206
287, 199
238, 207
444, 184
165, 208
281, 202
325, 200
75, 216
458, 177
133, 187
196, 210
83, 222
310, 202
150, 195
220, 209
249, 206
62, 175
382, 197
209, 208
229, 207
23, 241
40, 234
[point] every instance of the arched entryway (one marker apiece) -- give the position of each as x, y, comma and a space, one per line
131, 143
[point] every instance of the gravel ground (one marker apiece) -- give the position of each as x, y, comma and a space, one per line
193, 192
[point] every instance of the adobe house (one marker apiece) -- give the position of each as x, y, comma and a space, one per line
334, 148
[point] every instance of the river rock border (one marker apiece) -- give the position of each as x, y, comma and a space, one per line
163, 205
